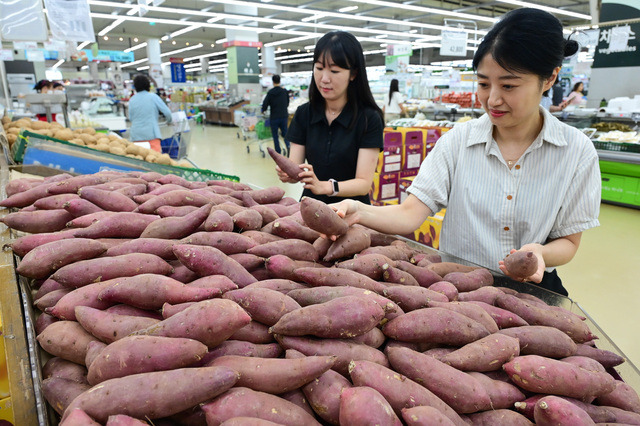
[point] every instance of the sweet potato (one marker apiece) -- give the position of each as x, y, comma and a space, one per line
424, 276
280, 266
521, 264
60, 392
425, 416
545, 375
322, 245
445, 288
317, 277
486, 354
470, 310
220, 282
278, 284
400, 391
118, 225
77, 417
254, 332
343, 317
108, 200
444, 268
502, 317
363, 405
81, 207
122, 420
294, 249
371, 265
267, 213
487, 294
285, 164
244, 402
322, 218
392, 252
536, 315
54, 202
176, 227
250, 262
218, 220
43, 321
374, 338
297, 397
109, 327
585, 362
175, 211
542, 340
42, 261
151, 291
61, 368
453, 387
133, 189
23, 245
226, 242
623, 397
15, 186
210, 322
502, 394
351, 242
264, 305
181, 273
624, 417
499, 417
288, 228
275, 375
67, 340
143, 354
152, 395
248, 421
412, 297
26, 198
181, 197
123, 309
269, 195
597, 414
607, 358
469, 281
73, 184
93, 350
205, 260
394, 275
89, 271
169, 310
160, 247
37, 222
82, 296
50, 299
47, 286
247, 220
553, 410
435, 325
345, 350
241, 349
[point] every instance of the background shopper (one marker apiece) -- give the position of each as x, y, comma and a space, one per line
576, 97
393, 102
277, 100
339, 131
144, 111
516, 178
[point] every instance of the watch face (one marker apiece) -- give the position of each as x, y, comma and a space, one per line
335, 187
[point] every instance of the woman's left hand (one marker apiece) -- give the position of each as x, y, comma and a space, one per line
537, 276
311, 181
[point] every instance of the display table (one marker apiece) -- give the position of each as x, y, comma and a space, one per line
221, 115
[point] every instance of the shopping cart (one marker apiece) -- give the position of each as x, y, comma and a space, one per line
246, 118
176, 136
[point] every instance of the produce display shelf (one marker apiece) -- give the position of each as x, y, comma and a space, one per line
616, 146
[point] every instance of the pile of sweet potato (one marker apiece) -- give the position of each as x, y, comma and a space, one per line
213, 303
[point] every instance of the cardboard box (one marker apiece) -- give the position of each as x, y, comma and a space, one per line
405, 181
6, 412
385, 186
429, 232
431, 137
413, 150
390, 159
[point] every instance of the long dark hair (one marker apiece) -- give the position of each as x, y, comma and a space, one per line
346, 52
393, 87
527, 40
575, 86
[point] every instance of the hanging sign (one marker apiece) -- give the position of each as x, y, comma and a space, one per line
22, 20
178, 74
6, 55
618, 46
454, 43
70, 20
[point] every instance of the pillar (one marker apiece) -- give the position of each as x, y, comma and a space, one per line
269, 67
93, 71
242, 56
155, 62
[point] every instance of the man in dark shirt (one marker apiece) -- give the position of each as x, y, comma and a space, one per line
278, 100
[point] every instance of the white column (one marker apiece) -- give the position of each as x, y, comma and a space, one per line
269, 61
204, 63
93, 71
155, 68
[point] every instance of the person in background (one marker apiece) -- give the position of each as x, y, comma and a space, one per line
277, 100
514, 179
576, 97
339, 131
558, 93
547, 102
144, 111
57, 87
393, 102
45, 86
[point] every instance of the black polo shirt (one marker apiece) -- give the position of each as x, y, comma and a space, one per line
333, 149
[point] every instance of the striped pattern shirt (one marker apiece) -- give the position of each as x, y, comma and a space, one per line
552, 191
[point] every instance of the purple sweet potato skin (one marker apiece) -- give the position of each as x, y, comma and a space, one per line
365, 405
205, 260
218, 220
521, 264
499, 417
542, 340
320, 217
486, 354
23, 245
288, 228
118, 225
226, 242
623, 397
177, 227
502, 317
294, 249
67, 340
61, 368
108, 200
411, 298
286, 165
83, 296
161, 247
39, 221
469, 281
552, 410
254, 332
425, 416
502, 394
317, 277
371, 265
60, 392
351, 242
108, 326
242, 349
264, 305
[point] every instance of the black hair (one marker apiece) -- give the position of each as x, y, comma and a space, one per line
393, 87
42, 84
275, 78
57, 84
141, 83
346, 52
527, 40
575, 86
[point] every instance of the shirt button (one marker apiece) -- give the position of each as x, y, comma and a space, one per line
506, 228
509, 197
517, 166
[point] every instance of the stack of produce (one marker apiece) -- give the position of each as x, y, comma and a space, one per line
212, 303
88, 136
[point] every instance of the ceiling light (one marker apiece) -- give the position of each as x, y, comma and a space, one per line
413, 31
213, 45
187, 43
547, 8
160, 42
280, 26
135, 39
164, 38
222, 40
215, 19
382, 36
347, 9
133, 11
57, 64
184, 49
111, 26
121, 39
173, 42
83, 45
184, 30
313, 18
423, 9
146, 67
310, 47
105, 37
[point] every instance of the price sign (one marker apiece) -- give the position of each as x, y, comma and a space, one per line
454, 43
70, 20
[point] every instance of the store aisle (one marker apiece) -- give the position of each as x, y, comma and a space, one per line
601, 278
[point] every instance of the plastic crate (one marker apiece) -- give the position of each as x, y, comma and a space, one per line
192, 174
617, 146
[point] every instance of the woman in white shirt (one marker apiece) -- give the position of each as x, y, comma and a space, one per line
514, 179
393, 107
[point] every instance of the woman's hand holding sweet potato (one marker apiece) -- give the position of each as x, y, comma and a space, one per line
536, 277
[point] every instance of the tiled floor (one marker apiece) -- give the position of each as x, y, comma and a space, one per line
601, 278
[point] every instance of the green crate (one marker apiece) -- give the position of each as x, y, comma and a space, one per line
617, 146
192, 174
262, 131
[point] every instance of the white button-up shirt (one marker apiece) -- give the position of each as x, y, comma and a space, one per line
552, 191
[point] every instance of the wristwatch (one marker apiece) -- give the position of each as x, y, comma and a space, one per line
335, 187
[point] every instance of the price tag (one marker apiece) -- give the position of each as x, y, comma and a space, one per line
454, 43
70, 20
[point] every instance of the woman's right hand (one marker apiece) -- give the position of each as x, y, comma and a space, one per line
283, 176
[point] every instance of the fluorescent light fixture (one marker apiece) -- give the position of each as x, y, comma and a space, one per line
222, 40
313, 17
214, 19
553, 10
281, 26
193, 69
136, 47
184, 49
208, 55
139, 61
298, 55
381, 36
84, 67
423, 9
111, 26
347, 9
83, 45
164, 38
164, 64
184, 30
133, 11
383, 44
413, 31
146, 67
57, 64
310, 47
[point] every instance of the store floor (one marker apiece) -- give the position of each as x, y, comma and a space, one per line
601, 278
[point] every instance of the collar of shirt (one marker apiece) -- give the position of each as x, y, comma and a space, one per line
551, 132
344, 118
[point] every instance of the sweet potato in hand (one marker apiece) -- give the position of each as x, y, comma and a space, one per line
521, 264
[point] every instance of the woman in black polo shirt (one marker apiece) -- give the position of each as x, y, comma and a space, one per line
339, 131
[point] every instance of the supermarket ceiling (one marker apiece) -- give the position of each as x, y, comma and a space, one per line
193, 28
